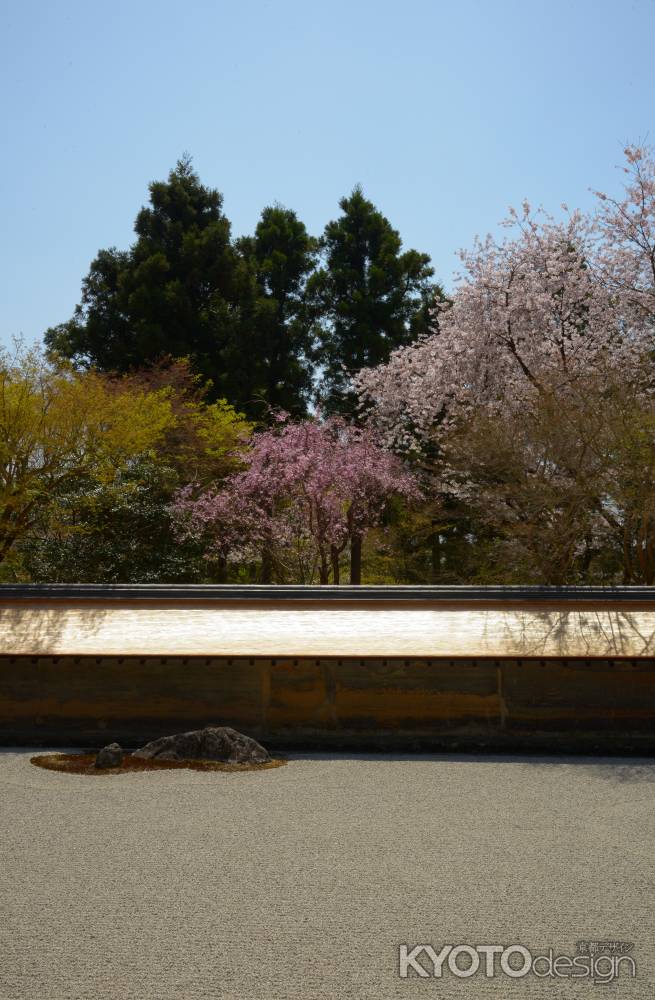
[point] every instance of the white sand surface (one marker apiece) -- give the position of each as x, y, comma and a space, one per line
301, 882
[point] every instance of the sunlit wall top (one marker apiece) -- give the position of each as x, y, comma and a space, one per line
327, 621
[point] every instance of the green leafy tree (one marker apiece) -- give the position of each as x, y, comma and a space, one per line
115, 532
60, 427
369, 297
107, 518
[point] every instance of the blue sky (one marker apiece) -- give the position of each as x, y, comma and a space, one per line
446, 113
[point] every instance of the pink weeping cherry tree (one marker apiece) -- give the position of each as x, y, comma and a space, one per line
310, 491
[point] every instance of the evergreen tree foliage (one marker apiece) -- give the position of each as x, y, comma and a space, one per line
369, 297
280, 256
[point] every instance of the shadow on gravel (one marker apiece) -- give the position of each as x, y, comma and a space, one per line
619, 769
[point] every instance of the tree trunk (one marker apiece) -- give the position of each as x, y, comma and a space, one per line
221, 570
267, 566
435, 553
356, 559
334, 552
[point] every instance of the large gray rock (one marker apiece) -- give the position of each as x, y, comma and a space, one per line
110, 756
218, 743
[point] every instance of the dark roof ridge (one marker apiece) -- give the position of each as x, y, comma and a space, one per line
165, 591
